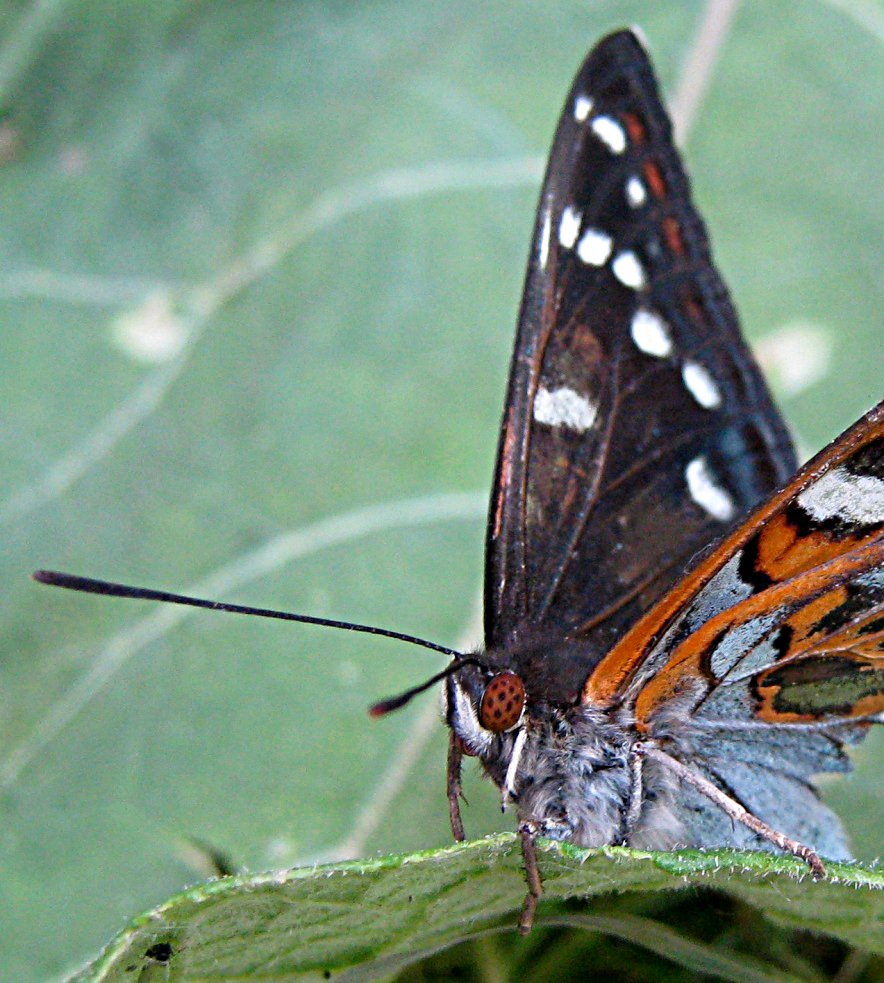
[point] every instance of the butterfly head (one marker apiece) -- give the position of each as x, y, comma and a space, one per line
494, 695
484, 703
524, 728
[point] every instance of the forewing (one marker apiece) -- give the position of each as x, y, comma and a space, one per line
637, 428
783, 623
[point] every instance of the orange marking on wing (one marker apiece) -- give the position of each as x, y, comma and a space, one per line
672, 232
635, 128
865, 706
687, 661
863, 636
692, 305
654, 177
859, 641
570, 496
610, 677
784, 551
768, 690
808, 621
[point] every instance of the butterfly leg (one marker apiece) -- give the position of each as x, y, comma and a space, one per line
636, 800
455, 793
733, 808
528, 833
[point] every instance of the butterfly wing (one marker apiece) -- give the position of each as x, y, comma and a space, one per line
767, 659
784, 621
637, 428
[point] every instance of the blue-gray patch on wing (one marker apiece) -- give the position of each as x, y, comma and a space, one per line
724, 590
763, 792
796, 750
746, 645
788, 804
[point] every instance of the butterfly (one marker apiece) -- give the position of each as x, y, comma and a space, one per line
638, 685
667, 662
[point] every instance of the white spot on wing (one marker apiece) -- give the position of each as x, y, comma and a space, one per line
651, 333
610, 132
569, 227
635, 192
701, 385
594, 247
704, 490
564, 408
543, 252
843, 495
582, 108
628, 270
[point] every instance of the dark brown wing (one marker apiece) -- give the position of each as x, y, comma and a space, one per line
637, 428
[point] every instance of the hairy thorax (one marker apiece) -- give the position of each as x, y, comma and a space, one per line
568, 770
574, 779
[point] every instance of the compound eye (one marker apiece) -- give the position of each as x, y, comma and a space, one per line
502, 702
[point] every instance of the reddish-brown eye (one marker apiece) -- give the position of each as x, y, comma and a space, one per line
502, 702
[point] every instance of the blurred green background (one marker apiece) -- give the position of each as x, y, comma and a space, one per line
259, 274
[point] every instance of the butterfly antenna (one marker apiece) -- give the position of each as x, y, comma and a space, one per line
89, 586
383, 707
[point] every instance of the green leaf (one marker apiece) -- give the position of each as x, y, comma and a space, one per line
259, 269
371, 918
